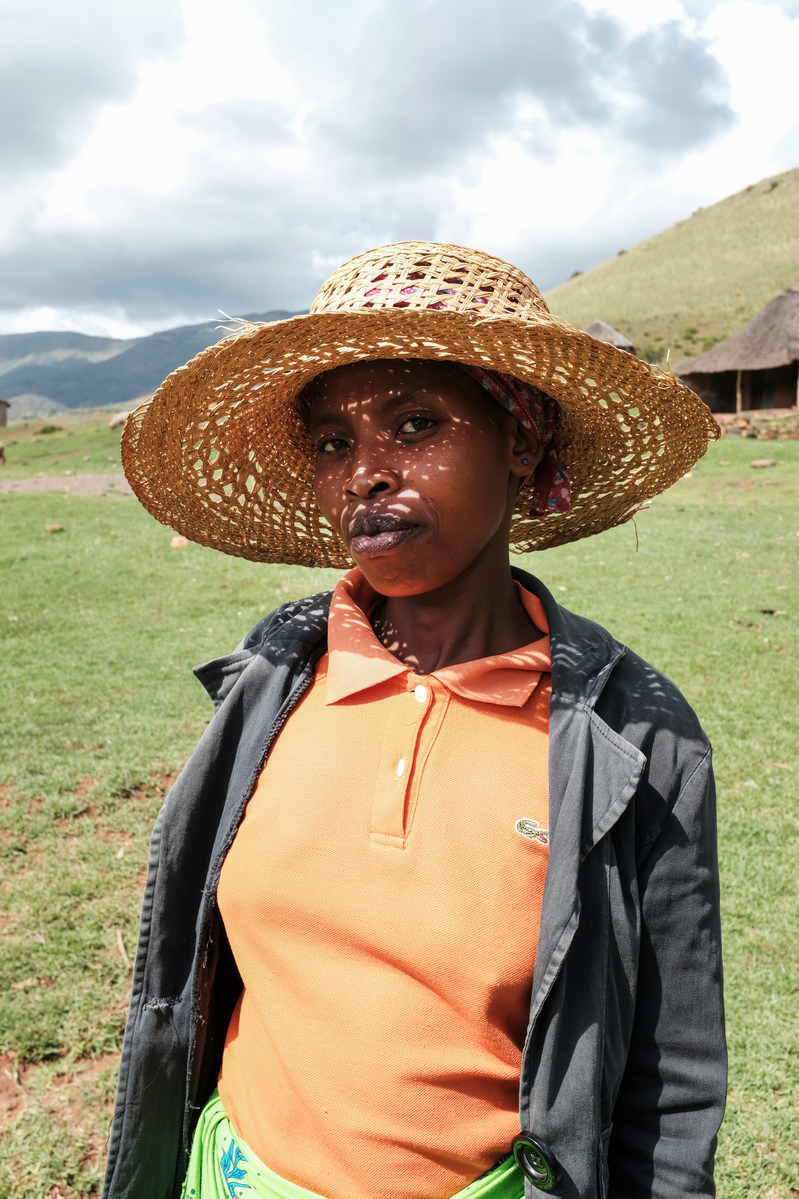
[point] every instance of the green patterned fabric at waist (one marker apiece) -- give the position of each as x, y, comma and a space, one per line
222, 1166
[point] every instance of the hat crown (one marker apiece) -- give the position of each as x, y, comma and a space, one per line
431, 276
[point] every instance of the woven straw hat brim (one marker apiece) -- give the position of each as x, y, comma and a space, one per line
221, 454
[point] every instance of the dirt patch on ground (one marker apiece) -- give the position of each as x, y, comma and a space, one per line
72, 484
72, 1097
62, 1107
157, 784
25, 1086
11, 797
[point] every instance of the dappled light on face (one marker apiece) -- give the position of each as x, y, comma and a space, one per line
413, 469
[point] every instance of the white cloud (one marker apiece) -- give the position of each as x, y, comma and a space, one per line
232, 161
757, 46
638, 15
110, 322
59, 64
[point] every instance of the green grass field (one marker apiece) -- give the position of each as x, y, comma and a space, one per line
101, 623
71, 444
696, 282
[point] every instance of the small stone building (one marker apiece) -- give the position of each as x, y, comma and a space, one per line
4, 407
604, 332
758, 367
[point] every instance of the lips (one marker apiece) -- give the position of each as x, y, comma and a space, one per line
377, 532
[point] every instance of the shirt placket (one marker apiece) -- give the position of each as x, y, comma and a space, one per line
414, 719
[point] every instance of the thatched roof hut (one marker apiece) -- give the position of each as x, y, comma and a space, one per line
4, 407
604, 332
755, 368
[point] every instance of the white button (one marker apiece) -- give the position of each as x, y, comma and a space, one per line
400, 768
421, 693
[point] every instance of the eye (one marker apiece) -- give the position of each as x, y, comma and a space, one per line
416, 424
330, 445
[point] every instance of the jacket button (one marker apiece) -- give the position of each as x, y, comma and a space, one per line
536, 1161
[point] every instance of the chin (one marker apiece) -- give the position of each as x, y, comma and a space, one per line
397, 585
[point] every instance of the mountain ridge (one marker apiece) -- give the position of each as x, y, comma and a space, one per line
49, 371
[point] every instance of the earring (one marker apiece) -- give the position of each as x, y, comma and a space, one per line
525, 461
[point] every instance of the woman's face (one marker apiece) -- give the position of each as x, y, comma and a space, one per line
417, 469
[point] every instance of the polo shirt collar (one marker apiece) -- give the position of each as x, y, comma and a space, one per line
358, 661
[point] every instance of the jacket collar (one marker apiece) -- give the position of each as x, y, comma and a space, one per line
583, 653
288, 635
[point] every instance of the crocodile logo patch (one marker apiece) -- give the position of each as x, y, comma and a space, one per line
532, 830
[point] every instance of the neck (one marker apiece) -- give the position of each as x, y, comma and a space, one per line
460, 622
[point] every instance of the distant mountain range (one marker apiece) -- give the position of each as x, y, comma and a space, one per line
44, 373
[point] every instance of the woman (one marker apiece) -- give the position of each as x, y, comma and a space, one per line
433, 907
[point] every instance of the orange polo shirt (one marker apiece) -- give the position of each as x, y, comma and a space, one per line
382, 899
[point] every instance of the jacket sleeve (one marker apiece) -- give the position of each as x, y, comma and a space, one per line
671, 1099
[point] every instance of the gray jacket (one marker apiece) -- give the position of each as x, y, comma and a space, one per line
623, 1071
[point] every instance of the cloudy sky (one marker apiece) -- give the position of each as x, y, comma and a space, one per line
163, 159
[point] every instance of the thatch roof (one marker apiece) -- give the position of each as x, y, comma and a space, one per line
770, 339
607, 333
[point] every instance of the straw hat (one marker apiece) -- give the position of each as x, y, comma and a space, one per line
221, 452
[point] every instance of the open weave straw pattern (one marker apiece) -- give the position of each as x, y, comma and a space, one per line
442, 279
222, 455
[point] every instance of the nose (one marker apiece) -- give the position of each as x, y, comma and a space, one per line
366, 482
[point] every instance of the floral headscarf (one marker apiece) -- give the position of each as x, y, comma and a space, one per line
537, 412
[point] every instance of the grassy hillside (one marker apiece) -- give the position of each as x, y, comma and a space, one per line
74, 444
697, 282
